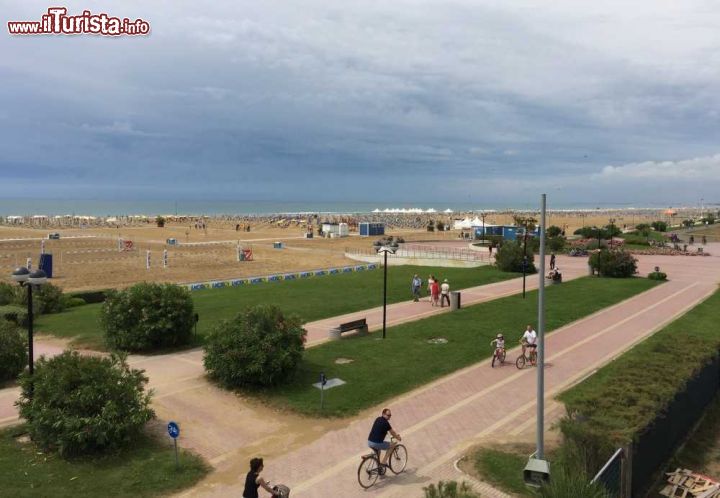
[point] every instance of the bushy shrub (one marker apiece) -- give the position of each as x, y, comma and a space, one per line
160, 221
617, 264
659, 226
15, 314
148, 316
555, 244
657, 275
7, 293
72, 302
449, 489
79, 404
510, 258
47, 298
567, 484
259, 347
13, 350
553, 231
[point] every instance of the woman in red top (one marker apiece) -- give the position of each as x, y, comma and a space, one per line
435, 293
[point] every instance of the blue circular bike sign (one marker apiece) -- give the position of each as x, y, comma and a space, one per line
173, 430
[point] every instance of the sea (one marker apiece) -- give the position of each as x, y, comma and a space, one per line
54, 207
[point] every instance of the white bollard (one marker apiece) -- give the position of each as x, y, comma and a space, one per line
147, 260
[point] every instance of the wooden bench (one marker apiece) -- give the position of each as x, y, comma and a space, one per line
359, 325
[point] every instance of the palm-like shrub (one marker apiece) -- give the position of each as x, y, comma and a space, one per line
617, 264
449, 489
510, 258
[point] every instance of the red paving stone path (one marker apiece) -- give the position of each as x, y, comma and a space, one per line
440, 420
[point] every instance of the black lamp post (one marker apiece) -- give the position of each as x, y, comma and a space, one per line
28, 279
385, 250
612, 229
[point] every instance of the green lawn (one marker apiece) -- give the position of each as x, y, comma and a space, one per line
313, 298
503, 469
147, 468
382, 369
624, 396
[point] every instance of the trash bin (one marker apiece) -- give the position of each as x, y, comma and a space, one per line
454, 300
46, 264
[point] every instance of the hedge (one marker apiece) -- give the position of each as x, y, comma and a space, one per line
618, 402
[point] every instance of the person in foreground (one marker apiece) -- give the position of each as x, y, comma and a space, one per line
253, 480
376, 439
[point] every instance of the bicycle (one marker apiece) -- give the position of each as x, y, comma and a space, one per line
370, 467
499, 356
523, 359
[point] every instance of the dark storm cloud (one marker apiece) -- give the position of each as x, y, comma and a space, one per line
282, 100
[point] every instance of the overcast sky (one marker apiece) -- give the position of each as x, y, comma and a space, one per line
494, 101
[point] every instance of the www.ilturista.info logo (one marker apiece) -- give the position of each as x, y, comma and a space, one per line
57, 22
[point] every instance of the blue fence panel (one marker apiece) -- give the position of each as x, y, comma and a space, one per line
306, 274
236, 283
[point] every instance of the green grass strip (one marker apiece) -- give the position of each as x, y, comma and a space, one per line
146, 468
312, 298
382, 369
503, 470
626, 395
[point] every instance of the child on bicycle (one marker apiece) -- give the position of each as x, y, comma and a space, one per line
499, 343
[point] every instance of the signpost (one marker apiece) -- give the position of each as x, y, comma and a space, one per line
174, 431
323, 381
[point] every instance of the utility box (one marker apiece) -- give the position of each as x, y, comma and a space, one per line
367, 229
46, 264
454, 300
536, 473
171, 242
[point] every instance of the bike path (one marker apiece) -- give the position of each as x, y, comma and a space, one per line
441, 420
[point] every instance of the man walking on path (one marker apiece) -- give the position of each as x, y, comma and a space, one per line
416, 284
552, 261
444, 293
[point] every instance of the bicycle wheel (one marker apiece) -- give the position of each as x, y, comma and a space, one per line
520, 362
398, 459
368, 471
533, 359
502, 357
492, 364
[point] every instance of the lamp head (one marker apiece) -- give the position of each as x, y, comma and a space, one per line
38, 277
21, 274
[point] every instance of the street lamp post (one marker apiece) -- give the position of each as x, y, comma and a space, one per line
385, 250
28, 279
612, 229
482, 216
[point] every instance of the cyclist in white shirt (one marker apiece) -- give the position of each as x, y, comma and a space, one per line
529, 339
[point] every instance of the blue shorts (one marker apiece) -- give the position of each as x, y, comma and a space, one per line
379, 446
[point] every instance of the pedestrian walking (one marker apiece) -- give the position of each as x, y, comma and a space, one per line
431, 280
435, 293
704, 240
552, 261
415, 285
444, 293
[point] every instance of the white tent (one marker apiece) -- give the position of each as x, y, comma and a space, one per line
448, 211
460, 224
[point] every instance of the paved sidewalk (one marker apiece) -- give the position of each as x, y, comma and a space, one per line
441, 420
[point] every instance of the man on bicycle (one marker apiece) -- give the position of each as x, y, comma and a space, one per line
376, 439
529, 340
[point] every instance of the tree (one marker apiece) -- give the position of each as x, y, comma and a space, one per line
688, 223
659, 226
259, 347
160, 221
510, 258
553, 231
